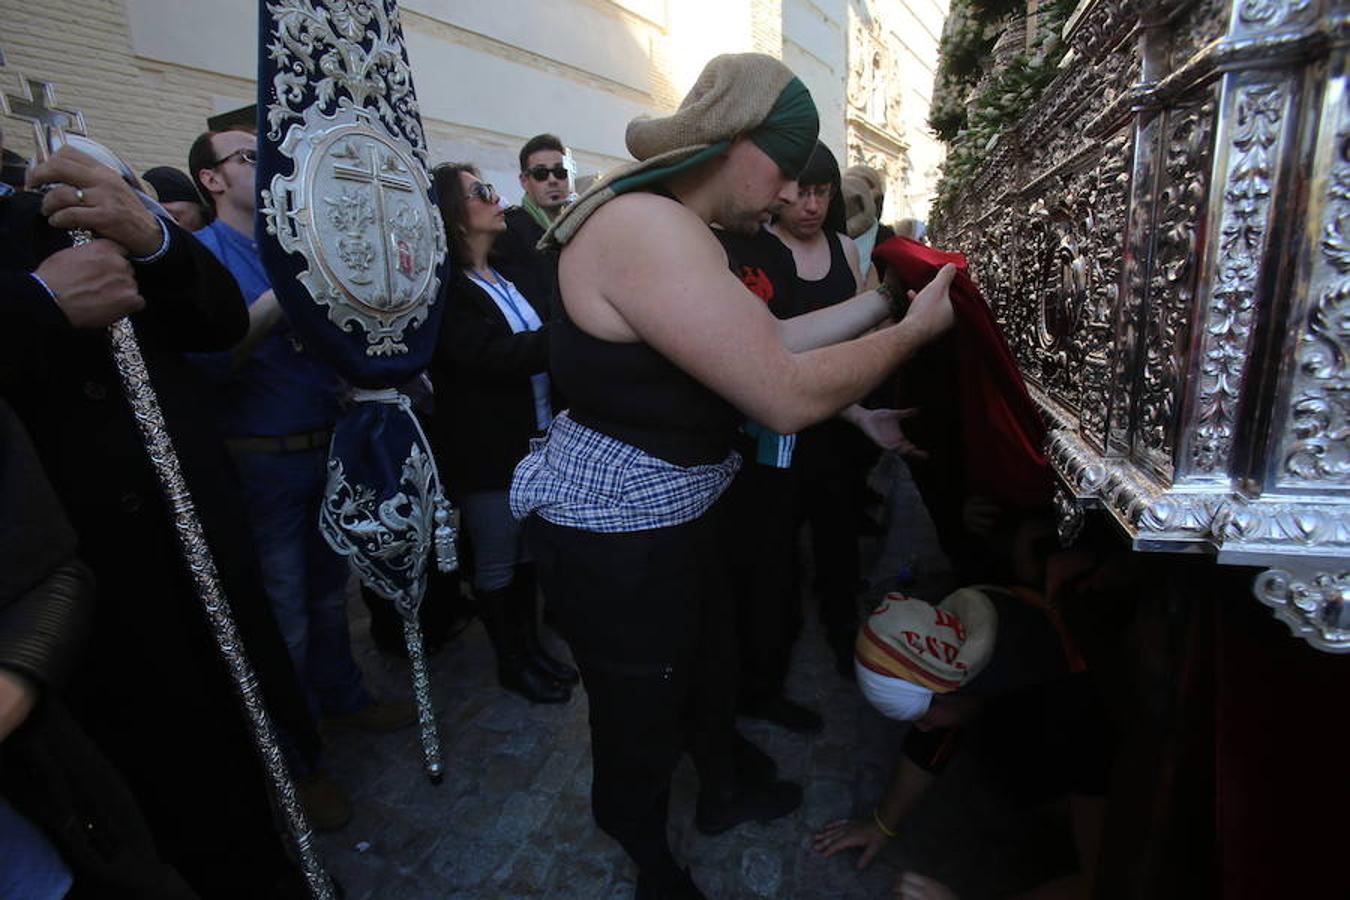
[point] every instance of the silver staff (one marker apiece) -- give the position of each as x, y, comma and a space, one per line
50, 125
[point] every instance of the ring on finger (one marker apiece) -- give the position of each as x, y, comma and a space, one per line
79, 196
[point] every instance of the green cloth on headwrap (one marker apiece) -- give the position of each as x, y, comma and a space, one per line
788, 133
737, 94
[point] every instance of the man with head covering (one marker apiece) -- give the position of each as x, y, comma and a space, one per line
1002, 655
876, 183
860, 220
178, 195
662, 351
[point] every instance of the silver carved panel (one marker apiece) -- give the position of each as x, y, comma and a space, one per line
1178, 222
1255, 118
1165, 240
1313, 455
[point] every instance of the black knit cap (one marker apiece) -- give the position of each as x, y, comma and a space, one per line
171, 184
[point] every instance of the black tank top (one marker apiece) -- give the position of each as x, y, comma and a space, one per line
838, 283
631, 392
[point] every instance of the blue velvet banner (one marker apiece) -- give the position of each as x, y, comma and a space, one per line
354, 246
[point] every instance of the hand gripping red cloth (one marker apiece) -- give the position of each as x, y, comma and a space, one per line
1002, 432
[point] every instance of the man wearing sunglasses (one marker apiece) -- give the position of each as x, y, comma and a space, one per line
547, 187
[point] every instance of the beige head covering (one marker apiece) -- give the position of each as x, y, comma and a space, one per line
735, 94
874, 180
859, 205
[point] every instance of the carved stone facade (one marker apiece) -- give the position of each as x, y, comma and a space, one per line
1165, 238
892, 55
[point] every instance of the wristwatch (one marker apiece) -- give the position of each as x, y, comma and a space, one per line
899, 305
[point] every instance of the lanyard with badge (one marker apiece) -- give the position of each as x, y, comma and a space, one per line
496, 287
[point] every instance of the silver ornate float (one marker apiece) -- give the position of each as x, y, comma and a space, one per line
1165, 238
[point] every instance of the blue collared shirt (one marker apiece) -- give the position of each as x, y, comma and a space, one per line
280, 389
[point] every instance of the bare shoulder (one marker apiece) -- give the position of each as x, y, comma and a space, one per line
642, 237
632, 252
639, 218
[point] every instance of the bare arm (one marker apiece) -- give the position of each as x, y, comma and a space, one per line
686, 304
840, 322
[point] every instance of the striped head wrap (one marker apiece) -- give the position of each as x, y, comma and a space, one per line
908, 649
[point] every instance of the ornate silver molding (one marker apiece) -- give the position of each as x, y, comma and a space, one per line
1314, 603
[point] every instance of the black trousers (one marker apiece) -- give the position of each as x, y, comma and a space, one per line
651, 628
833, 459
760, 525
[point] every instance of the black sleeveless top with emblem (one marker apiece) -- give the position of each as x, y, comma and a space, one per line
633, 393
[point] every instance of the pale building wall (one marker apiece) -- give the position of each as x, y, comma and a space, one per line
815, 46
147, 73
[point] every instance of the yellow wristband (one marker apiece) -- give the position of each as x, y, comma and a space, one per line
876, 817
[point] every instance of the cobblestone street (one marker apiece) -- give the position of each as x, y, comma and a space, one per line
512, 817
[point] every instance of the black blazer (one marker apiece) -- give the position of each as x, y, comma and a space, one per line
481, 372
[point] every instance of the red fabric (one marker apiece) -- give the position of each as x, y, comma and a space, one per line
1002, 432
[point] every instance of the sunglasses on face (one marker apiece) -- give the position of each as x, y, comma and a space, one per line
248, 156
541, 173
482, 192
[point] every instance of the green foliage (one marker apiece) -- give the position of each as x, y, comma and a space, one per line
973, 102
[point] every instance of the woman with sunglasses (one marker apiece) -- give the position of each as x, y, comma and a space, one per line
490, 375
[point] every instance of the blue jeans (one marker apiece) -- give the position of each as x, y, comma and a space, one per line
29, 865
305, 580
498, 543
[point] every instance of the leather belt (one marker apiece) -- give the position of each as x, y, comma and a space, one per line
286, 443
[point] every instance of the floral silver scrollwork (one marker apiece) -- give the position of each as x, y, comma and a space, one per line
358, 209
345, 54
1319, 414
380, 538
1259, 119
1314, 604
1172, 282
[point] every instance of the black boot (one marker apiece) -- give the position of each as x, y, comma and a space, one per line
515, 670
528, 612
751, 803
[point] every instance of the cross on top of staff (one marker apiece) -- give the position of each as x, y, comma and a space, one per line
37, 106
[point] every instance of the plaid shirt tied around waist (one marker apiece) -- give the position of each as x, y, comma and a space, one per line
578, 477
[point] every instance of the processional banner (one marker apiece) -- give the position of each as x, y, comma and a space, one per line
353, 243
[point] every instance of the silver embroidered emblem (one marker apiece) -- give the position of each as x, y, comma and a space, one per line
357, 207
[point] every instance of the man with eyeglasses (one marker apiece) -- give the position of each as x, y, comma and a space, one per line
547, 186
276, 408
